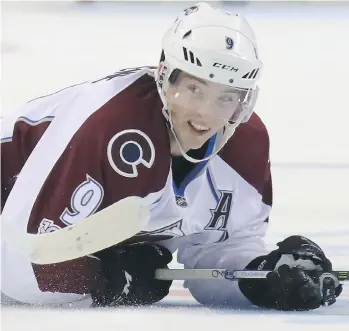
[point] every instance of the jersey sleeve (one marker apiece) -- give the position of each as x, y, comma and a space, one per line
116, 153
252, 206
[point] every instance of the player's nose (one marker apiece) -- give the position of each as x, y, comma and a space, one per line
205, 109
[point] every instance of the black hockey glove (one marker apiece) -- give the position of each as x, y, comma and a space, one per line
302, 278
130, 272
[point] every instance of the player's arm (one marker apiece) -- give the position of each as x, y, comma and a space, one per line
98, 168
242, 246
304, 287
302, 278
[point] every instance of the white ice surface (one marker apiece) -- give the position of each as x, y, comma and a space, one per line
303, 101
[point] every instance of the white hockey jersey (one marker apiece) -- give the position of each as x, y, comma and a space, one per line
69, 154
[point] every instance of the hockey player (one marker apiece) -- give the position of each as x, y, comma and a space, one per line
183, 137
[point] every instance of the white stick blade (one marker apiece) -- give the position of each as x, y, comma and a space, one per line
104, 229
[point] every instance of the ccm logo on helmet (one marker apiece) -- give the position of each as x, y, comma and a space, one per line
225, 67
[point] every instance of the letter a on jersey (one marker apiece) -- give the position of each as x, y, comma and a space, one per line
220, 214
128, 149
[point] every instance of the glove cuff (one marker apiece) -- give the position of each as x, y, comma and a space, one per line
264, 262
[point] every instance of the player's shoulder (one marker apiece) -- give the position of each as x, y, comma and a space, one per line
129, 125
255, 130
247, 151
136, 106
248, 139
134, 96
88, 96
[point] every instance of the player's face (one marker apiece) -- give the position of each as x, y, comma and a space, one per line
199, 109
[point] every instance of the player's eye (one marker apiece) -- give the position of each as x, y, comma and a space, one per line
227, 98
194, 89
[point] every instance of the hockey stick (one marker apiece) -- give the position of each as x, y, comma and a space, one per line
101, 230
219, 274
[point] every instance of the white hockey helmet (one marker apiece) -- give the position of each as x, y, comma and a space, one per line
215, 46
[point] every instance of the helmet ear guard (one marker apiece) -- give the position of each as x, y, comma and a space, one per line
217, 47
174, 76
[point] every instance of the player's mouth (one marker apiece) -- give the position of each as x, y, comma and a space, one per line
198, 128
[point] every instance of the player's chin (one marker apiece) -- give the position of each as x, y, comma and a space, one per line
199, 142
191, 140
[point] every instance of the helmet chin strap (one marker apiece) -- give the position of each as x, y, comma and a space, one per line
228, 132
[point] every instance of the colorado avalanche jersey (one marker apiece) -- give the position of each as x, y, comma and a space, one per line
68, 155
